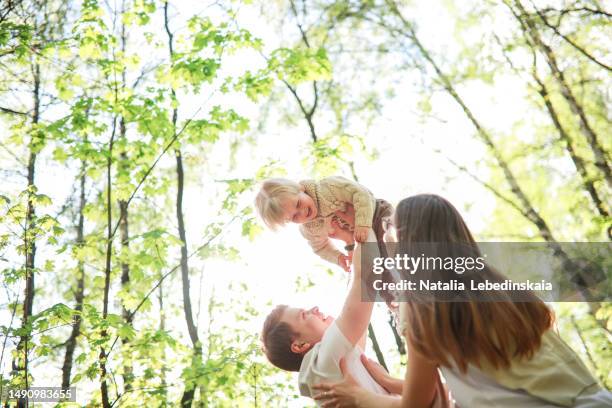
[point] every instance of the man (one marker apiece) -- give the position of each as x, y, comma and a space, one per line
312, 343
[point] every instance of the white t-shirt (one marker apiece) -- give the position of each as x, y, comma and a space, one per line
322, 363
475, 389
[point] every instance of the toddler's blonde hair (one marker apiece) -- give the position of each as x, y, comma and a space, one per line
269, 200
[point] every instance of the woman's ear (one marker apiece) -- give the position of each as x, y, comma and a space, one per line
299, 347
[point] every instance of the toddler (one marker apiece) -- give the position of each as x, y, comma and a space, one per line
312, 204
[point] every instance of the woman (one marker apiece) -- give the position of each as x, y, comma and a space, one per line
500, 353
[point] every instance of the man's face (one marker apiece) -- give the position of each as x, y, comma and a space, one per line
299, 208
309, 324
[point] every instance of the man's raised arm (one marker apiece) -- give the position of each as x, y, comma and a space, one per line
355, 315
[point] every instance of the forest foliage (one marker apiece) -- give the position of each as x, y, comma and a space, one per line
112, 112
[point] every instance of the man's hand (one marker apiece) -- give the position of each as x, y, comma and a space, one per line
339, 395
361, 234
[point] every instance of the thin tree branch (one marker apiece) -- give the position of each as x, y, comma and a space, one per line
569, 40
11, 111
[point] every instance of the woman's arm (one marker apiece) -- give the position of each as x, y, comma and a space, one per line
421, 379
366, 399
382, 377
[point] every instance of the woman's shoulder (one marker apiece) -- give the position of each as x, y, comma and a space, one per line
554, 373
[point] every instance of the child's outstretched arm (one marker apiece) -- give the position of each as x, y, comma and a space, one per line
358, 196
324, 247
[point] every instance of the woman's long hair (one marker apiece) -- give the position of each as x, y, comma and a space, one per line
472, 331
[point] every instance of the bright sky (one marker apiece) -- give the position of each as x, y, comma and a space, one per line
407, 164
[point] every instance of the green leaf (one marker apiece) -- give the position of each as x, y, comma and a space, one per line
114, 320
126, 331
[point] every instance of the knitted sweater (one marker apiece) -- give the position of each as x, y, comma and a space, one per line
330, 195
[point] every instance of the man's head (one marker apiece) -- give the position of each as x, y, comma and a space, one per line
289, 332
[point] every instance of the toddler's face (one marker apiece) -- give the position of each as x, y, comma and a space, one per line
299, 208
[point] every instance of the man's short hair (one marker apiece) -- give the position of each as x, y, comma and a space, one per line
277, 337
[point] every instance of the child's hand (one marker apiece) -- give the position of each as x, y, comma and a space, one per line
345, 262
361, 234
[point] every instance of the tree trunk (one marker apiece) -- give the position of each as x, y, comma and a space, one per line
80, 291
107, 267
20, 363
162, 327
564, 137
401, 348
601, 159
376, 347
189, 392
128, 369
308, 113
